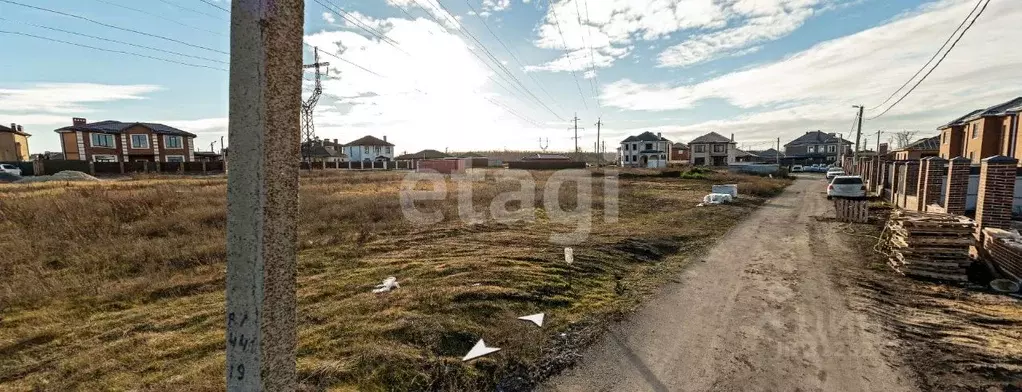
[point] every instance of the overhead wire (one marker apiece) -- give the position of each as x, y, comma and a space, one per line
519, 88
567, 54
114, 26
953, 44
592, 59
159, 17
116, 41
217, 6
353, 20
112, 50
514, 57
595, 81
172, 4
935, 54
514, 81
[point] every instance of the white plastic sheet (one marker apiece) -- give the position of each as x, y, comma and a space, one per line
717, 198
387, 285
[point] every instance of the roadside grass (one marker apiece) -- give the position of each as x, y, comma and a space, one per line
119, 285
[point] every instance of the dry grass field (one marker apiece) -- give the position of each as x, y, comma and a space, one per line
118, 285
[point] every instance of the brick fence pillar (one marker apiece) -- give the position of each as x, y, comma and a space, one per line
931, 182
911, 181
957, 185
996, 193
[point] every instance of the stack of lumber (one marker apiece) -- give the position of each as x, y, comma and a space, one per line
931, 245
1004, 249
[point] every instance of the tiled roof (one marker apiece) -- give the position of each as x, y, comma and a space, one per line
816, 137
110, 126
959, 120
930, 143
368, 141
1000, 109
7, 129
424, 154
711, 137
645, 137
740, 153
681, 146
769, 153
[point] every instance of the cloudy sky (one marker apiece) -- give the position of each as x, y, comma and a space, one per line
496, 74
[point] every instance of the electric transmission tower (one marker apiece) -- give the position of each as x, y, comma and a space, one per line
308, 128
542, 146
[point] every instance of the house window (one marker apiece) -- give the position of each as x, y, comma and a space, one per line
366, 149
626, 147
175, 158
635, 146
663, 156
943, 138
104, 158
173, 142
718, 148
700, 148
103, 140
626, 158
139, 141
386, 150
832, 148
635, 158
377, 149
649, 146
974, 134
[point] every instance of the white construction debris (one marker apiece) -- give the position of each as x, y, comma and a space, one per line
387, 285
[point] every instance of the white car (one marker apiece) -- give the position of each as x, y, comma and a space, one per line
796, 169
10, 169
849, 187
834, 172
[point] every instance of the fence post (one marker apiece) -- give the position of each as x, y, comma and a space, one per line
957, 187
92, 168
122, 166
349, 164
896, 182
38, 168
996, 193
203, 167
930, 192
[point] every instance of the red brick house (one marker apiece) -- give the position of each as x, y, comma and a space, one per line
115, 141
983, 133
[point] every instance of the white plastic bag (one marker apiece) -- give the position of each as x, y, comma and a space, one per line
717, 198
387, 285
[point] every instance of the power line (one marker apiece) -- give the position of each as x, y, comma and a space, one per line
111, 50
353, 20
188, 9
567, 55
592, 59
352, 63
938, 61
953, 33
514, 57
116, 41
216, 5
114, 27
503, 73
159, 17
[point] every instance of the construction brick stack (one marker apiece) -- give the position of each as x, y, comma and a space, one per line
1004, 249
931, 245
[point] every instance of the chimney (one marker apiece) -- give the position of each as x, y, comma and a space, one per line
882, 150
20, 129
732, 137
335, 142
384, 137
76, 121
658, 134
14, 127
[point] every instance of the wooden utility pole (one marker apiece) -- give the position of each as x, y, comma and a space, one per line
262, 194
778, 152
858, 136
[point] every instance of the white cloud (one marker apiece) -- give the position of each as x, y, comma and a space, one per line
717, 28
496, 5
329, 17
433, 96
432, 7
815, 89
68, 97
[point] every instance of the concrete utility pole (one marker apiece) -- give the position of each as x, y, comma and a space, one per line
599, 122
858, 136
262, 194
575, 120
778, 152
840, 149
878, 142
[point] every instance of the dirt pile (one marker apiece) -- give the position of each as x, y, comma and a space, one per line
67, 175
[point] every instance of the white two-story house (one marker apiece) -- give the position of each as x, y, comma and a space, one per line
369, 149
645, 150
712, 149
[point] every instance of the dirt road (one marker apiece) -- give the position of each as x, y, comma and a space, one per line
761, 313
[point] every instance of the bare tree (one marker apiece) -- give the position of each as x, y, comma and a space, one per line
902, 139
